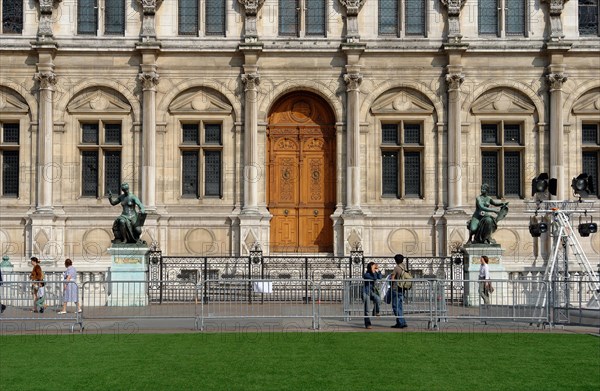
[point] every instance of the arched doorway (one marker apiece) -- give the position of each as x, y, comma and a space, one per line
301, 164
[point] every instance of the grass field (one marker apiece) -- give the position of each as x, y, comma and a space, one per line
301, 361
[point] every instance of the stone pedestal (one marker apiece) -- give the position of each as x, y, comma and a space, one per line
473, 253
127, 284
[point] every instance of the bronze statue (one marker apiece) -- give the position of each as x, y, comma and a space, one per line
483, 224
127, 228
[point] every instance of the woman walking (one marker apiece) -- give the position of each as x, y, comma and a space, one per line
70, 289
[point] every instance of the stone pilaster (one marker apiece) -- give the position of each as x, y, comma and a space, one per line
251, 79
454, 7
251, 8
353, 80
454, 79
556, 78
352, 9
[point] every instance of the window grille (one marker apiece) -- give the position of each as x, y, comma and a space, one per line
488, 17
114, 17
12, 16
10, 173
89, 173
412, 174
415, 17
589, 134
288, 17
11, 133
188, 17
388, 17
215, 17
489, 171
390, 173
315, 17
190, 173
112, 171
588, 18
212, 173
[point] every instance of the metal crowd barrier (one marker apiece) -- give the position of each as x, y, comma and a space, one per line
245, 299
418, 302
129, 300
513, 300
18, 297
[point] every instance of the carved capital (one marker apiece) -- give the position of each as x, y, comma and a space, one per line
251, 6
454, 6
149, 80
352, 6
556, 80
454, 80
47, 79
555, 7
149, 6
45, 22
46, 6
352, 81
251, 80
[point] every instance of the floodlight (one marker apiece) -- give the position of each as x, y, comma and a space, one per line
583, 185
585, 229
543, 183
537, 229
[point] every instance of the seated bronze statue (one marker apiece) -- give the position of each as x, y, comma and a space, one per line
483, 224
127, 228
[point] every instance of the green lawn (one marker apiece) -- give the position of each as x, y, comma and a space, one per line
301, 361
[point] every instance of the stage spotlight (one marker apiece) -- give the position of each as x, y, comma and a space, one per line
543, 183
585, 229
537, 229
583, 185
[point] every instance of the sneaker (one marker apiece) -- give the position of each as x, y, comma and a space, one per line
62, 312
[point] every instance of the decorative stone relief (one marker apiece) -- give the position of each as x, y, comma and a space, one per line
45, 23
47, 80
251, 8
556, 80
555, 8
149, 80
251, 80
353, 81
454, 7
352, 8
454, 80
148, 18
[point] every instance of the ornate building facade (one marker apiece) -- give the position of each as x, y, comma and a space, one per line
306, 126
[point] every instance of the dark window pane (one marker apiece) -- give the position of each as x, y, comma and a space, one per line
11, 133
488, 17
388, 17
315, 17
112, 171
515, 17
288, 17
190, 134
512, 134
489, 134
489, 171
12, 16
114, 17
412, 174
389, 134
415, 17
590, 167
90, 133
89, 173
188, 17
389, 173
212, 173
215, 17
112, 133
588, 17
87, 17
512, 174
589, 133
10, 173
189, 178
212, 133
412, 134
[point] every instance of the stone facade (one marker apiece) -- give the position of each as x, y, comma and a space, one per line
151, 80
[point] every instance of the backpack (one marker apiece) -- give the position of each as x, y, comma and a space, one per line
405, 285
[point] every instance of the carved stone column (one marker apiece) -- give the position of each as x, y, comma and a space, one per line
149, 79
454, 7
353, 80
251, 79
556, 79
454, 81
251, 8
46, 79
352, 9
45, 24
555, 8
148, 19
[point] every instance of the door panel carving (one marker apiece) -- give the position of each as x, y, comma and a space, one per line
301, 150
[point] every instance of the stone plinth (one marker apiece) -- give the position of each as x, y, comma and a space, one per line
473, 254
127, 282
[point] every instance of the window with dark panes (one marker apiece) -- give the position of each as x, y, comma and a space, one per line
302, 18
87, 16
9, 158
215, 17
12, 16
502, 17
588, 18
288, 17
188, 17
590, 158
515, 17
402, 17
315, 17
201, 159
487, 13
502, 158
114, 17
100, 148
401, 159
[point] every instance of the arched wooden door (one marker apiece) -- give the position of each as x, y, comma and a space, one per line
301, 161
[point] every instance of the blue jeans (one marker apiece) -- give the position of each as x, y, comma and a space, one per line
397, 298
376, 303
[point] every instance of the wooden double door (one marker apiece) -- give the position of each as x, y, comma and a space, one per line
301, 161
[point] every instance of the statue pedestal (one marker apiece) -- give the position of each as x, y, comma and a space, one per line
473, 253
128, 286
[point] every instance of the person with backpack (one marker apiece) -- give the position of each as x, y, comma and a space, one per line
398, 291
370, 292
36, 276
